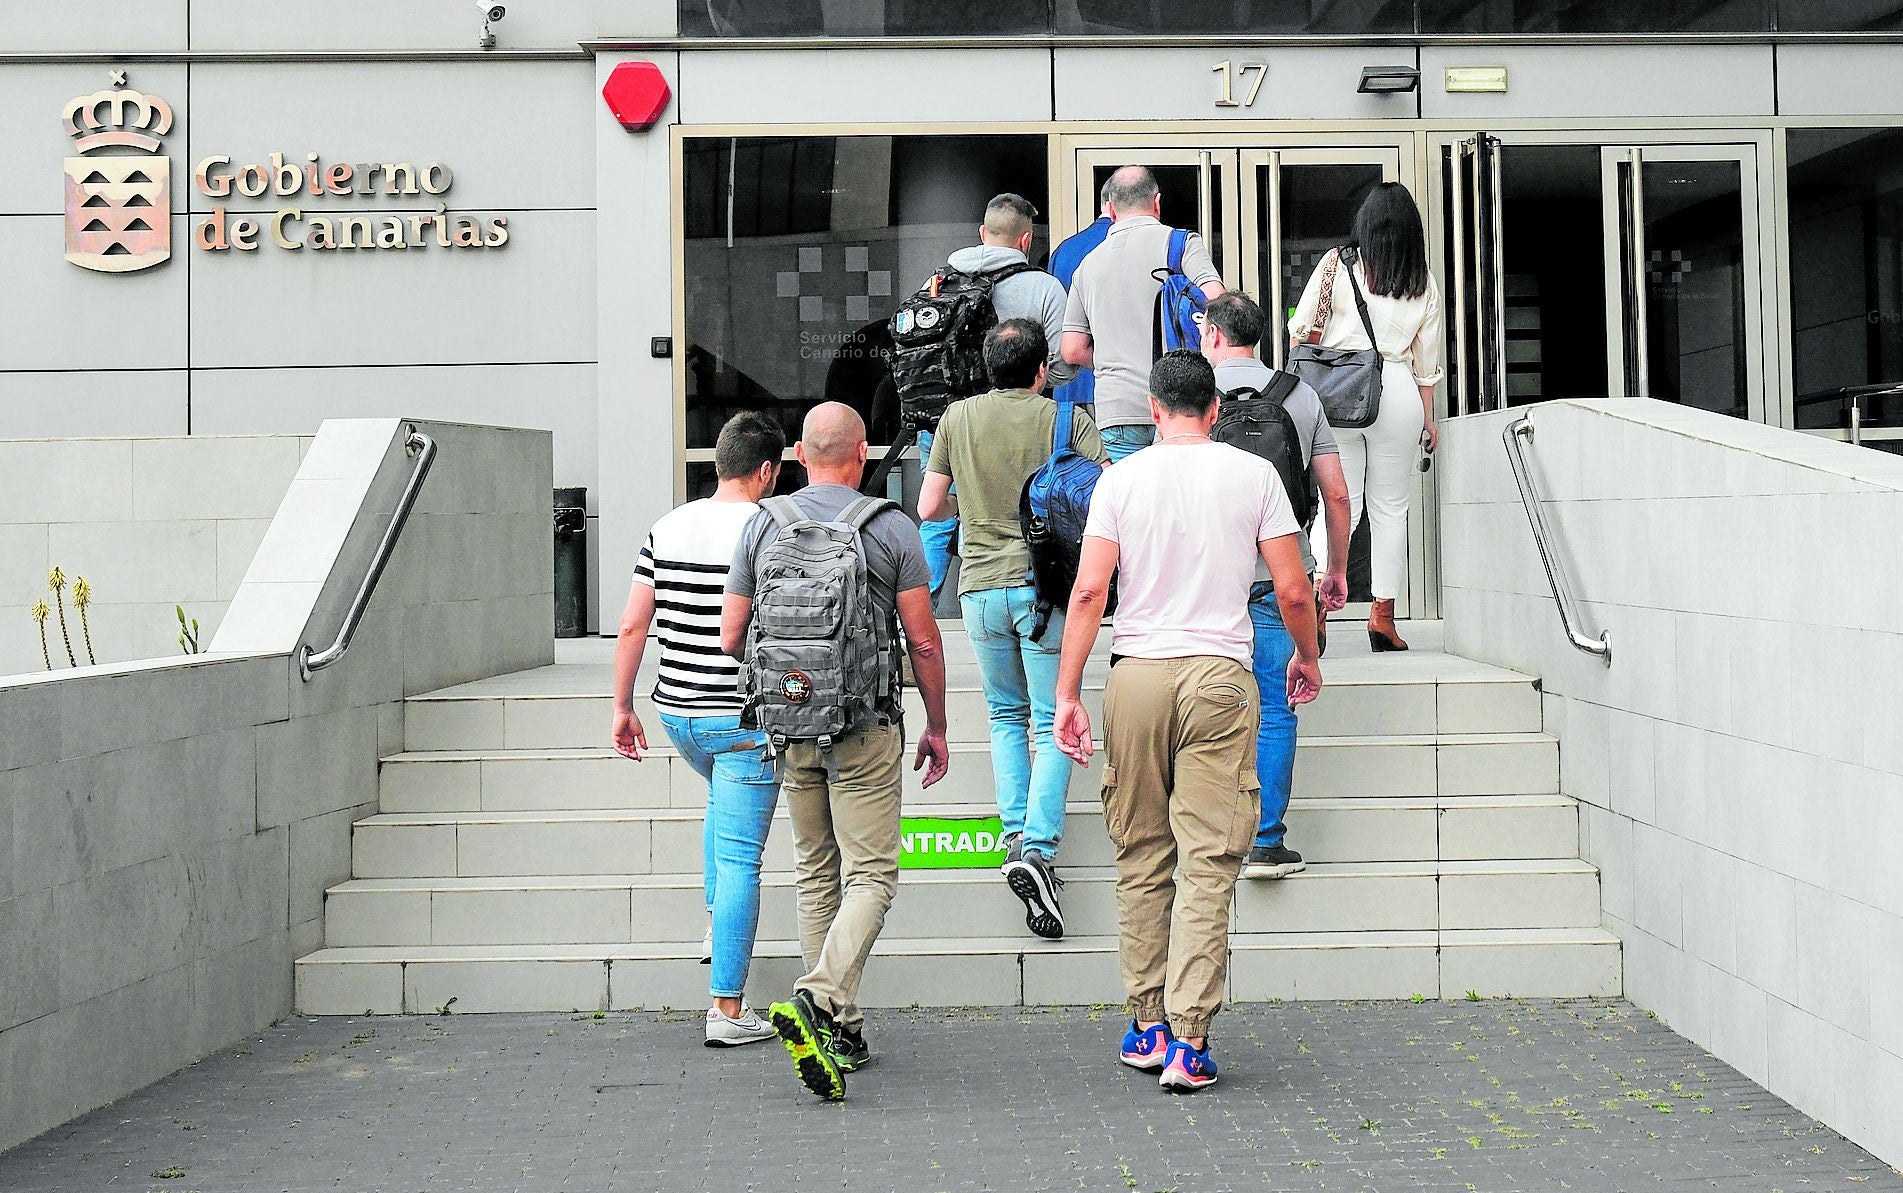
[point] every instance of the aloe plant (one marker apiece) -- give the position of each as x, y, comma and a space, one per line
41, 612
56, 580
187, 632
82, 601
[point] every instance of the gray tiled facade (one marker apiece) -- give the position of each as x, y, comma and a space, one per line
1507, 1095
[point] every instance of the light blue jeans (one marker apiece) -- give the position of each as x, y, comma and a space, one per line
1122, 442
1275, 739
1020, 678
939, 536
741, 792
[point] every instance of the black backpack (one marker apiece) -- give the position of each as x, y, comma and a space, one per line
1256, 421
938, 342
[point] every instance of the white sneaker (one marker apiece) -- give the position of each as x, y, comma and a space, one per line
707, 946
749, 1028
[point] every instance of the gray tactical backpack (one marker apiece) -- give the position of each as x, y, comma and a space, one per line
820, 659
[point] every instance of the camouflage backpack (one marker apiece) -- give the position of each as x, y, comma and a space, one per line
820, 659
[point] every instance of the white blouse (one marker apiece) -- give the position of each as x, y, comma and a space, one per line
1407, 330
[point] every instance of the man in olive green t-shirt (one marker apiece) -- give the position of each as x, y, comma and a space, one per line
990, 445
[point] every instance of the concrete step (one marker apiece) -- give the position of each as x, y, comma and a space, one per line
569, 706
575, 779
668, 841
659, 909
1006, 971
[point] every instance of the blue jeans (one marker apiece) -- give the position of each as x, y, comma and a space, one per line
741, 792
1020, 678
1275, 740
939, 536
1122, 442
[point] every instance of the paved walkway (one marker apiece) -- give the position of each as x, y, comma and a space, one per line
1373, 1096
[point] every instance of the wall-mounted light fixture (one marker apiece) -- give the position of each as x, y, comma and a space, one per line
1388, 80
1476, 80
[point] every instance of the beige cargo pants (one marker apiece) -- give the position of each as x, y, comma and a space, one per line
845, 813
1179, 795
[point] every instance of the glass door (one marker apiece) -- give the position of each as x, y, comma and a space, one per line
1682, 238
1297, 205
1198, 188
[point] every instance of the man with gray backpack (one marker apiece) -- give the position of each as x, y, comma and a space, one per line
821, 583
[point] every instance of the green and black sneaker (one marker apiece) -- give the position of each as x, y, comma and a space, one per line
808, 1034
849, 1049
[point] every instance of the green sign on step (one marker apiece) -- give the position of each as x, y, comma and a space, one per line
960, 843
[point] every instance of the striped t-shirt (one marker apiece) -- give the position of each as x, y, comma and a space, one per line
685, 561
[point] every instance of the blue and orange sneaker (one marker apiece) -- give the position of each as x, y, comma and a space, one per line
1146, 1048
1186, 1068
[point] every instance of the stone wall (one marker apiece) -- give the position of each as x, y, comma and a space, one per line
168, 828
152, 524
1738, 763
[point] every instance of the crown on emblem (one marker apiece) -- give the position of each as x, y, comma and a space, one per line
118, 117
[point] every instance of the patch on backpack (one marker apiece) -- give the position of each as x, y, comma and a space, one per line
797, 687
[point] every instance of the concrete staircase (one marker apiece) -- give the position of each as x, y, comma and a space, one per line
519, 864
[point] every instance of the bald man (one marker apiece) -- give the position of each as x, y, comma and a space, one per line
844, 802
1110, 322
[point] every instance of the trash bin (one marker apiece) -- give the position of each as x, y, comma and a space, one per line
571, 563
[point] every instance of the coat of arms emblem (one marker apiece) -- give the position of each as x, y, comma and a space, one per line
118, 204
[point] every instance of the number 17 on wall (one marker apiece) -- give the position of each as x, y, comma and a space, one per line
1228, 70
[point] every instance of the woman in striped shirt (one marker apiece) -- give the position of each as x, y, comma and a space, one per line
677, 593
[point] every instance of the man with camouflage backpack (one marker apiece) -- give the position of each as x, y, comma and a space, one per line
821, 583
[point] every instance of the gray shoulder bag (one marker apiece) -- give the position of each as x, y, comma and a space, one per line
1349, 383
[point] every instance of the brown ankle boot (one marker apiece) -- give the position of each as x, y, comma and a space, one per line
1382, 636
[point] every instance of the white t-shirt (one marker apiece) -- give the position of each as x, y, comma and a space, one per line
685, 561
1186, 518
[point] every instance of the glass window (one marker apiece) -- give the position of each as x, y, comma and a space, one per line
1846, 212
1839, 15
1596, 16
1145, 17
800, 248
862, 18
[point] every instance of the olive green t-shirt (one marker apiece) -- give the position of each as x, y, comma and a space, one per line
990, 445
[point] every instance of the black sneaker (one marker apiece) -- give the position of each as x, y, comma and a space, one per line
1013, 851
1272, 861
1033, 880
849, 1049
808, 1034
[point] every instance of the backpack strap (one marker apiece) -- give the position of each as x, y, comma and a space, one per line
1179, 244
785, 511
863, 510
1282, 386
1061, 433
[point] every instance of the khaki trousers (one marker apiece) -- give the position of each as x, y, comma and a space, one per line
1180, 802
845, 812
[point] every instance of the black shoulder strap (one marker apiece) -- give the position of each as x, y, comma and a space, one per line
1348, 258
1282, 386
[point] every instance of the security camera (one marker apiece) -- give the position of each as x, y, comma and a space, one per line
491, 13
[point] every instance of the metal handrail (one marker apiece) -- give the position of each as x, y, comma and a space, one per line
424, 449
1519, 429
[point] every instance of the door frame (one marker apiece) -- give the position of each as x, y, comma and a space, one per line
1621, 255
1770, 373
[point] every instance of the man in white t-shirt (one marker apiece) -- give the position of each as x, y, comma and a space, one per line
1181, 526
679, 588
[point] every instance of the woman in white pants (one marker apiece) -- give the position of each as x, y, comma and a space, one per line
1404, 307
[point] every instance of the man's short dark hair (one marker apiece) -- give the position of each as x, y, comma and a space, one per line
1239, 317
749, 440
1010, 215
1183, 383
1014, 351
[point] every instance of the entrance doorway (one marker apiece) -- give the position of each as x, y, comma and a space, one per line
1580, 269
1269, 212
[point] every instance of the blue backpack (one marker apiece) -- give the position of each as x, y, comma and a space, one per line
1180, 303
1052, 511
